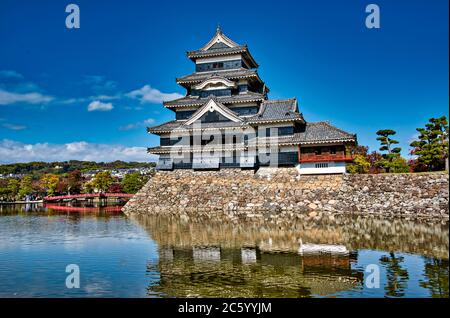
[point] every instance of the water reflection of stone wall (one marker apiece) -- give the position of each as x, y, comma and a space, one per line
316, 256
353, 232
226, 273
283, 194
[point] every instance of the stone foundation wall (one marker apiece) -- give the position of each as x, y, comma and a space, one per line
274, 193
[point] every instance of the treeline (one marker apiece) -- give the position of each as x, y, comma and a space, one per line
430, 151
27, 187
39, 168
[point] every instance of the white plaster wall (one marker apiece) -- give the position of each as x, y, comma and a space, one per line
333, 167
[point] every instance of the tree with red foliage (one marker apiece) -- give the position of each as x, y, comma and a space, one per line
74, 182
374, 157
115, 188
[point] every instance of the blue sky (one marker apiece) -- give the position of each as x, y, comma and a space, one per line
89, 93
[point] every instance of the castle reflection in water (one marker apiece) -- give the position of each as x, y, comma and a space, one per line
199, 258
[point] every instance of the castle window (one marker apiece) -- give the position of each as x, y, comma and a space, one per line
204, 67
216, 92
217, 65
322, 165
283, 131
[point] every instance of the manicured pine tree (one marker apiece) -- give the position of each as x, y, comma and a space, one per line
386, 146
431, 148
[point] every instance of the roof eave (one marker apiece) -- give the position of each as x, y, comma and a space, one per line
187, 83
275, 120
201, 102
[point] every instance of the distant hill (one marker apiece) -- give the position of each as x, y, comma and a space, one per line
68, 166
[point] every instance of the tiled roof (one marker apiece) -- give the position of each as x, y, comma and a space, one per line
223, 51
284, 109
217, 51
188, 101
270, 111
179, 126
322, 131
315, 133
198, 77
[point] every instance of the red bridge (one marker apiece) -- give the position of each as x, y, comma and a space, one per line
106, 209
87, 196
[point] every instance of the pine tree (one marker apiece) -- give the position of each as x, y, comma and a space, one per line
431, 148
386, 146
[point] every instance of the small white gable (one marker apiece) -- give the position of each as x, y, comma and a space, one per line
212, 106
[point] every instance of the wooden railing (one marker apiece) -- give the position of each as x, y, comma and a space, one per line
324, 158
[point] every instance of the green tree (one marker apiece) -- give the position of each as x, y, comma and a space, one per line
102, 181
13, 188
49, 182
133, 182
399, 165
436, 274
360, 164
25, 187
88, 187
431, 148
390, 152
4, 193
9, 188
397, 277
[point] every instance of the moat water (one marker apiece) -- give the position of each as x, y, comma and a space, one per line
150, 256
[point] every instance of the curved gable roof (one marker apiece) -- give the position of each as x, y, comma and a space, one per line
219, 37
213, 105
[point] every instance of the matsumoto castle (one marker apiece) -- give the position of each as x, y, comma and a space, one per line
226, 120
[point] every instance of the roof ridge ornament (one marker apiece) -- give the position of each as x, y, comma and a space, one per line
219, 37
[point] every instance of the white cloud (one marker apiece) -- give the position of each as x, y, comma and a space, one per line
99, 106
148, 94
7, 98
14, 126
140, 124
13, 151
80, 100
105, 91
